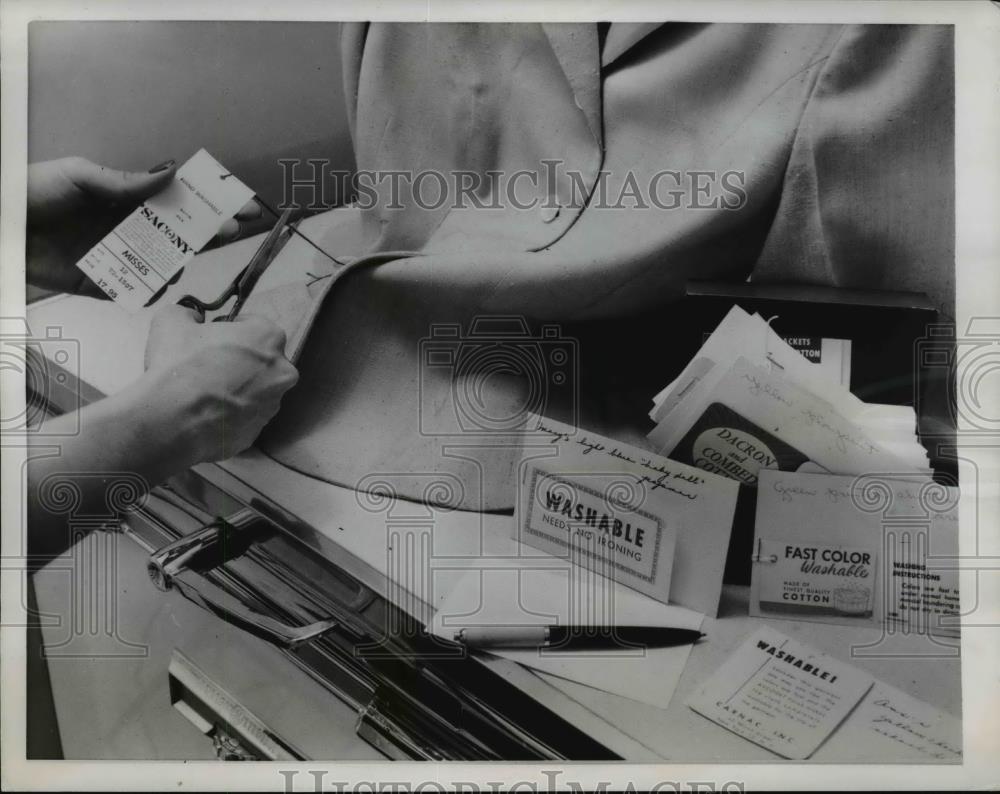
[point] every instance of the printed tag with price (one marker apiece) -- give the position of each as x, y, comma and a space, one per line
140, 255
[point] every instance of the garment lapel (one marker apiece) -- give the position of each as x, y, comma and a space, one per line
576, 48
622, 36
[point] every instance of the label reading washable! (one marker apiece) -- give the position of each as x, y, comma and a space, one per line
781, 694
140, 255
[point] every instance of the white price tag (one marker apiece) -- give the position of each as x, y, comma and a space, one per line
142, 253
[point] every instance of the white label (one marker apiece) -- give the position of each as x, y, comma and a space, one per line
781, 694
810, 578
142, 253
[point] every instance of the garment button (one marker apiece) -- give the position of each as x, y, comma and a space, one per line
549, 212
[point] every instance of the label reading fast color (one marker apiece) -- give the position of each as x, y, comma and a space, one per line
140, 255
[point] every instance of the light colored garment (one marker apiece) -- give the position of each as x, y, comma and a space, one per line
842, 137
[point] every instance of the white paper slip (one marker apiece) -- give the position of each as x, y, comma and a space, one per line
783, 410
891, 726
781, 694
750, 337
140, 255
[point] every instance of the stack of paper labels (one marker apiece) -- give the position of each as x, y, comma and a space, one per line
749, 401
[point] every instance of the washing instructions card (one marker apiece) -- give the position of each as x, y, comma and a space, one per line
138, 257
857, 550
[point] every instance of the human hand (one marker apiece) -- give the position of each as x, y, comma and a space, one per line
73, 203
213, 385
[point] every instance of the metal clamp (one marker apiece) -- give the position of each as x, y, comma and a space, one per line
758, 557
169, 569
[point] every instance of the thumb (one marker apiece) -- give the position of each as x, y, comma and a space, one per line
126, 187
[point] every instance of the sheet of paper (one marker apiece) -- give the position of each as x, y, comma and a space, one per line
851, 550
781, 694
741, 335
890, 725
820, 367
789, 413
140, 255
568, 595
699, 505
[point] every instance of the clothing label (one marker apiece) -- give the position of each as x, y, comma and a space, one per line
857, 550
588, 518
140, 255
674, 521
810, 578
723, 442
781, 694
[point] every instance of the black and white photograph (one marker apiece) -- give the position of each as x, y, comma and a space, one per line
524, 385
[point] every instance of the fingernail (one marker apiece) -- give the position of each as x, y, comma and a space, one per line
162, 166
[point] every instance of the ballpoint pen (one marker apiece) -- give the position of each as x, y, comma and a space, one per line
576, 637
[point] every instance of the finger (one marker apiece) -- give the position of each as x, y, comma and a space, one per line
229, 231
270, 334
175, 314
122, 187
250, 211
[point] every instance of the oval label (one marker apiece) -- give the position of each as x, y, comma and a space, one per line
732, 453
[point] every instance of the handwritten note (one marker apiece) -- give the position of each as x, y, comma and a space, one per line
889, 725
794, 416
773, 388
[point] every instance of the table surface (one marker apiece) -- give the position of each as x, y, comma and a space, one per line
922, 668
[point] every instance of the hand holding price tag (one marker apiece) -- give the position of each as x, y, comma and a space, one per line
140, 256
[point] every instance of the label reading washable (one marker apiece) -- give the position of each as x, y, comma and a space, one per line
608, 522
803, 578
140, 255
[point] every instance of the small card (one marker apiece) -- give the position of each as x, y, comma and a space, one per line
803, 579
604, 522
140, 255
811, 362
723, 442
857, 550
788, 413
781, 694
673, 521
